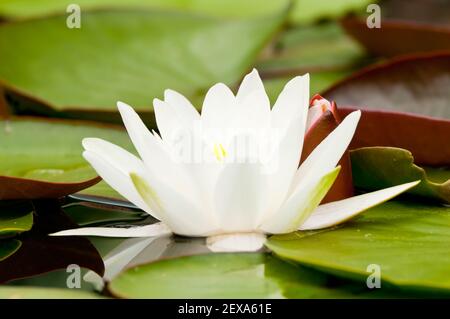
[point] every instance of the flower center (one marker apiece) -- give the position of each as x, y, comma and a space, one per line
219, 151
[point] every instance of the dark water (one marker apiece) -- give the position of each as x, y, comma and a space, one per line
42, 260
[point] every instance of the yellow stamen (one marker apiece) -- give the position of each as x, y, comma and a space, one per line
219, 151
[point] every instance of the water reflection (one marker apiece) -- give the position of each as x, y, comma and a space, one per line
43, 260
40, 253
33, 253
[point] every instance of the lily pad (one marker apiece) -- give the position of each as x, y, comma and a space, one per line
138, 54
407, 27
8, 247
44, 293
307, 11
405, 104
408, 241
15, 218
380, 167
251, 275
320, 81
317, 48
16, 9
303, 11
42, 158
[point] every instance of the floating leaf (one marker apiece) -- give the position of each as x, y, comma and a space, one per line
317, 48
42, 158
138, 54
405, 103
307, 11
375, 168
15, 217
320, 81
304, 11
44, 293
398, 37
228, 276
16, 9
8, 247
409, 241
406, 27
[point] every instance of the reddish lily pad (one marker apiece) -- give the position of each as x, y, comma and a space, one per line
405, 103
398, 37
406, 27
380, 167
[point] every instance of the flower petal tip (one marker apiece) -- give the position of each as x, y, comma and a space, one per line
89, 143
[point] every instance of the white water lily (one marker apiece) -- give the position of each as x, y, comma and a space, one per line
233, 198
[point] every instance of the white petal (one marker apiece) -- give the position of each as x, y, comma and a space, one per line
240, 196
292, 102
182, 106
218, 107
328, 153
299, 206
284, 164
153, 153
238, 242
253, 103
251, 83
153, 230
168, 123
334, 213
114, 164
179, 213
253, 112
147, 145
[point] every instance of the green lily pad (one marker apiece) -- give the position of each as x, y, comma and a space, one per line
320, 81
243, 275
14, 9
43, 158
380, 167
15, 218
408, 241
307, 11
44, 293
316, 48
130, 56
8, 247
303, 11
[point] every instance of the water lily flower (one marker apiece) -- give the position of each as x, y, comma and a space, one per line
233, 195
